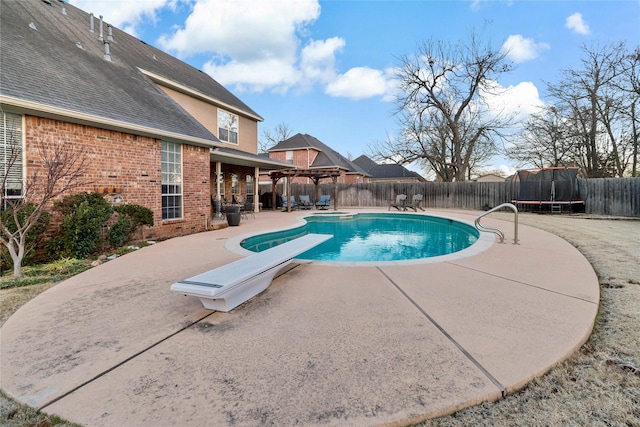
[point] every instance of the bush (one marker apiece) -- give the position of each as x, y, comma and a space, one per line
139, 215
130, 218
33, 236
84, 214
120, 232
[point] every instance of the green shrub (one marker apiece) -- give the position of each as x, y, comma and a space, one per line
84, 214
34, 236
120, 232
130, 217
139, 215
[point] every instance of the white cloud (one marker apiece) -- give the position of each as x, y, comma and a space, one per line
317, 59
244, 30
127, 15
518, 102
359, 83
576, 23
520, 49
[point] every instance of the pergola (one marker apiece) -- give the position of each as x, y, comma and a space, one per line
315, 174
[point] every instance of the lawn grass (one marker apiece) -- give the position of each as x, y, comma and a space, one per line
42, 273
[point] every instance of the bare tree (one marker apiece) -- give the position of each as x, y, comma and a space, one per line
443, 107
545, 140
595, 105
59, 170
630, 85
271, 137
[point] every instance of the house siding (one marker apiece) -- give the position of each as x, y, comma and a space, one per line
130, 163
207, 115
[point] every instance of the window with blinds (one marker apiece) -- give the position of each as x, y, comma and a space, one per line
12, 165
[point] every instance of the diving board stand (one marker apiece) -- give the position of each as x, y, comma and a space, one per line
226, 287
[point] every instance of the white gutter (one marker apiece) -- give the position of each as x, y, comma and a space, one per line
89, 119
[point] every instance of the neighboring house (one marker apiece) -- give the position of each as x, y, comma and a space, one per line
387, 172
158, 132
490, 177
306, 152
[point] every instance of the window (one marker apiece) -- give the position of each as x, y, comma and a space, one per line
11, 156
289, 157
249, 181
171, 180
227, 127
235, 184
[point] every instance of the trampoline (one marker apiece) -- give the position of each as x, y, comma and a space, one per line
552, 189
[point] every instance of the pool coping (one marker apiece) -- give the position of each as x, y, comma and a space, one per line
321, 346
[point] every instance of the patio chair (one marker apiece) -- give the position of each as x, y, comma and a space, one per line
324, 202
290, 200
399, 203
243, 207
304, 202
415, 203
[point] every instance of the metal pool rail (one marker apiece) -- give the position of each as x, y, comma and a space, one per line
497, 231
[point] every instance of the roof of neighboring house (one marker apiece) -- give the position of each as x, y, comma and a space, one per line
390, 171
54, 65
326, 158
490, 177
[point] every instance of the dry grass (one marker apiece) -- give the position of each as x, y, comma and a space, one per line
598, 386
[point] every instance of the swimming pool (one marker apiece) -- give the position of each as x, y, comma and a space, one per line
374, 237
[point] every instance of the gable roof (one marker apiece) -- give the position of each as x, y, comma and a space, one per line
52, 65
386, 171
326, 157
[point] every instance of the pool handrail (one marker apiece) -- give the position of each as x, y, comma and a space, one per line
497, 231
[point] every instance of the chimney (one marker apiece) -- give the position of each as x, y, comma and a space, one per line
107, 54
91, 22
101, 29
109, 32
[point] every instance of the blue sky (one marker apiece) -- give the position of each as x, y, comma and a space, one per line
326, 68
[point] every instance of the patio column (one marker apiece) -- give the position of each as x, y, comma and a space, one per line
218, 179
256, 188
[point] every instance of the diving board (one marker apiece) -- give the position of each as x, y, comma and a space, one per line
226, 287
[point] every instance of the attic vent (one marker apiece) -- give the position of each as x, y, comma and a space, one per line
47, 2
33, 26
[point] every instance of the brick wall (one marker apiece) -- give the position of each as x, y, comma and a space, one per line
128, 166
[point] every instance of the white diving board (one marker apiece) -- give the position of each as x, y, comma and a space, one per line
226, 287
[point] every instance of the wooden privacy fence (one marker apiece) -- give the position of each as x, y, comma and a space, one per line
602, 196
611, 196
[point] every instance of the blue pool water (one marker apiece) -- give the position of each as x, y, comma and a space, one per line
374, 237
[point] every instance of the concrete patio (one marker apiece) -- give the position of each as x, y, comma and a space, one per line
324, 345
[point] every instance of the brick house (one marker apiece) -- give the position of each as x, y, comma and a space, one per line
158, 132
306, 152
